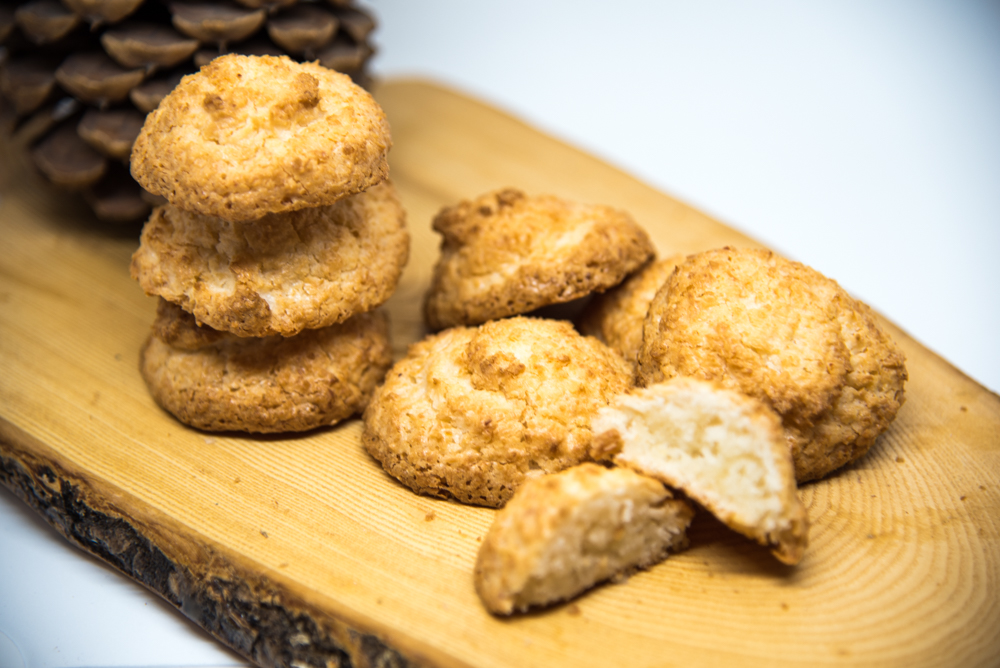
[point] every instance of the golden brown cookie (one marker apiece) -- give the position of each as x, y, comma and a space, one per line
563, 533
505, 253
280, 274
251, 135
471, 413
787, 335
616, 316
220, 382
724, 449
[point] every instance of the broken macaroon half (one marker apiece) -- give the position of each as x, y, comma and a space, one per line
723, 449
563, 533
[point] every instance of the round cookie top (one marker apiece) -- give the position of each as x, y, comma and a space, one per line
280, 274
505, 253
781, 332
217, 381
251, 135
470, 413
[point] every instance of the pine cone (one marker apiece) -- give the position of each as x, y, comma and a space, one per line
77, 77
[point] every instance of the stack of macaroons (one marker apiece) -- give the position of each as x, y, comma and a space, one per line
281, 236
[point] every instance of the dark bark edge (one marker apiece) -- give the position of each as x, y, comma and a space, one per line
256, 619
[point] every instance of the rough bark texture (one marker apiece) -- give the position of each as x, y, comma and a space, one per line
249, 614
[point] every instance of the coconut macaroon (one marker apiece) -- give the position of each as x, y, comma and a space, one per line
505, 253
471, 413
616, 317
787, 335
216, 381
725, 450
563, 533
252, 135
280, 274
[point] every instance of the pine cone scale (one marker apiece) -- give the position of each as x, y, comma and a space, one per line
78, 76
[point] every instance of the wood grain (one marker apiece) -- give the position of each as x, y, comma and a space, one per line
299, 549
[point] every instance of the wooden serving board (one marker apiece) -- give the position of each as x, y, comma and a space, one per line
299, 550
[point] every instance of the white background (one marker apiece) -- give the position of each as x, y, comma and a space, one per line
862, 138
